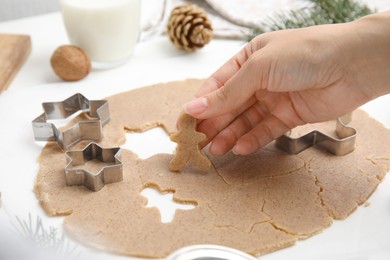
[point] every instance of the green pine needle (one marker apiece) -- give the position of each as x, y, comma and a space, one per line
46, 238
318, 12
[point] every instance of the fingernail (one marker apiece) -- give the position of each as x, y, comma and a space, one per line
234, 150
196, 106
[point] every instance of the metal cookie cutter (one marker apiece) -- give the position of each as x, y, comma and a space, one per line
93, 181
342, 145
210, 252
90, 129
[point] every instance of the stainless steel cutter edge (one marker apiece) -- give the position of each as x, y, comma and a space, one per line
84, 130
337, 146
208, 251
93, 181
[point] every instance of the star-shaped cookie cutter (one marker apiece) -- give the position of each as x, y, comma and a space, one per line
90, 129
342, 145
93, 181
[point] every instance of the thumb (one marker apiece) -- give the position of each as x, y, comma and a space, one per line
221, 101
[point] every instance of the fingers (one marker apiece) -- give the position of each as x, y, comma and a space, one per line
211, 127
225, 72
225, 107
262, 134
249, 132
233, 94
227, 138
222, 93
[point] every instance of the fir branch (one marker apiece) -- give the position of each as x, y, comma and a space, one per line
318, 12
296, 19
44, 238
340, 11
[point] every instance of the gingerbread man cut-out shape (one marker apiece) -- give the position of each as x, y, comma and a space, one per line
188, 149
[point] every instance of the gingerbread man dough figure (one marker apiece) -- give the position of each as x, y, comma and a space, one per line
188, 149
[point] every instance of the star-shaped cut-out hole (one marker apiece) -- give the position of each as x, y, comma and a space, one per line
165, 203
149, 143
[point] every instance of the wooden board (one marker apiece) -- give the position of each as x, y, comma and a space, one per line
14, 50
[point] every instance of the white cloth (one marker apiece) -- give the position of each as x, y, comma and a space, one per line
230, 19
13, 9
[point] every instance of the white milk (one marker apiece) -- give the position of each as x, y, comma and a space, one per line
106, 29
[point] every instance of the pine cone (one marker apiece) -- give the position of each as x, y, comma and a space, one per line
189, 28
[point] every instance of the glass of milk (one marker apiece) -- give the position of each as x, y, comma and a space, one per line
107, 30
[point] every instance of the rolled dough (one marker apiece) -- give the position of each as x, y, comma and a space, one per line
258, 203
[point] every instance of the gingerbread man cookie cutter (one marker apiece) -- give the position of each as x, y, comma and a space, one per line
206, 251
343, 144
93, 181
91, 129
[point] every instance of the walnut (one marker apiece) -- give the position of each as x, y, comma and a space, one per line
70, 63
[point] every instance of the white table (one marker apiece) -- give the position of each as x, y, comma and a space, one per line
364, 235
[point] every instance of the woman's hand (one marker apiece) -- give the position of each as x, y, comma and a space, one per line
288, 78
